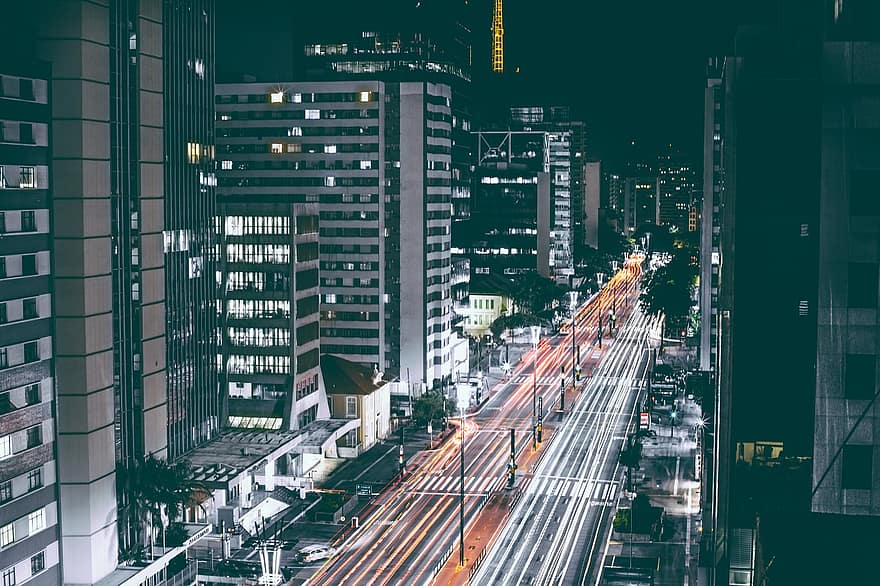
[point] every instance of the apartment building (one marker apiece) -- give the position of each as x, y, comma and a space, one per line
375, 156
29, 538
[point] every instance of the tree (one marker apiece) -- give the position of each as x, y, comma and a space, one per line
669, 289
153, 488
534, 293
430, 407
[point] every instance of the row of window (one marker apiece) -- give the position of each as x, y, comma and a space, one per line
31, 354
239, 364
282, 96
274, 114
355, 282
24, 221
27, 178
261, 132
305, 386
257, 281
258, 308
328, 181
349, 333
331, 298
38, 564
243, 225
29, 310
263, 337
258, 253
349, 266
349, 349
285, 164
350, 315
278, 148
17, 441
19, 398
34, 480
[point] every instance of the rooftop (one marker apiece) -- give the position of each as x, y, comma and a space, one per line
342, 377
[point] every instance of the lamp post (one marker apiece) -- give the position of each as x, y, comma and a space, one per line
463, 396
536, 335
572, 300
600, 278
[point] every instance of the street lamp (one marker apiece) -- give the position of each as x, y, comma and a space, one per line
572, 300
536, 335
600, 277
463, 396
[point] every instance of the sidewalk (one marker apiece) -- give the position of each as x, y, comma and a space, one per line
666, 476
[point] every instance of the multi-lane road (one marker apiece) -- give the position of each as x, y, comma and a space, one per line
414, 527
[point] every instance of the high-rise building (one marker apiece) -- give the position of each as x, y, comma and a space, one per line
794, 447
511, 217
29, 536
268, 312
592, 195
566, 139
498, 37
710, 227
376, 156
675, 182
190, 206
640, 203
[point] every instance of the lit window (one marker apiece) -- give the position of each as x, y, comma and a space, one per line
330, 181
295, 131
297, 98
7, 535
193, 152
225, 117
277, 148
276, 97
313, 114
2, 178
330, 149
365, 97
294, 147
366, 164
36, 521
226, 165
5, 446
200, 68
328, 298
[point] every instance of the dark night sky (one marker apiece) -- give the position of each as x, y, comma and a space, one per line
632, 69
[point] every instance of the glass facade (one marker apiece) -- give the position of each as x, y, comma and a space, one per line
190, 206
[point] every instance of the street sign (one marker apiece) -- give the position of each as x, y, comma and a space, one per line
364, 490
644, 420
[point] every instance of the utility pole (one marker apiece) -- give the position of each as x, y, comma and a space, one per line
540, 418
511, 466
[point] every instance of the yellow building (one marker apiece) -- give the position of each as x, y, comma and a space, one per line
489, 298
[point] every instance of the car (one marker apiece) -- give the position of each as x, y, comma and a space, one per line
314, 553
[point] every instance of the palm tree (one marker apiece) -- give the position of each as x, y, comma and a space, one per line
153, 487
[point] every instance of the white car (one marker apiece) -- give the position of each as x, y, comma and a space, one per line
314, 553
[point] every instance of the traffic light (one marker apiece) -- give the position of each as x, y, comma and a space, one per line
511, 473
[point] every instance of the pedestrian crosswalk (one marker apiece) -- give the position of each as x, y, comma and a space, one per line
596, 491
542, 380
439, 484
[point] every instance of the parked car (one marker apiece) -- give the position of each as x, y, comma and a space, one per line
314, 553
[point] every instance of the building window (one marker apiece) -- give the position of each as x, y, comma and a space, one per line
862, 284
8, 573
4, 359
2, 178
32, 394
295, 131
5, 446
330, 181
3, 318
28, 221
277, 148
36, 521
35, 479
857, 467
2, 222
26, 133
297, 98
193, 153
330, 149
364, 96
313, 114
294, 147
5, 491
366, 165
29, 308
7, 536
26, 178
31, 352
38, 563
226, 165
860, 376
28, 264
34, 436
351, 408
276, 97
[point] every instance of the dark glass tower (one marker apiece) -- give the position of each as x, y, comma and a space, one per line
190, 206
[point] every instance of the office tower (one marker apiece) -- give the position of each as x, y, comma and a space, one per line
29, 547
498, 37
509, 230
566, 138
190, 206
269, 317
640, 203
592, 191
424, 41
675, 181
846, 440
709, 227
376, 156
795, 96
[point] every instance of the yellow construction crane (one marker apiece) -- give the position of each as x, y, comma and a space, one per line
498, 38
